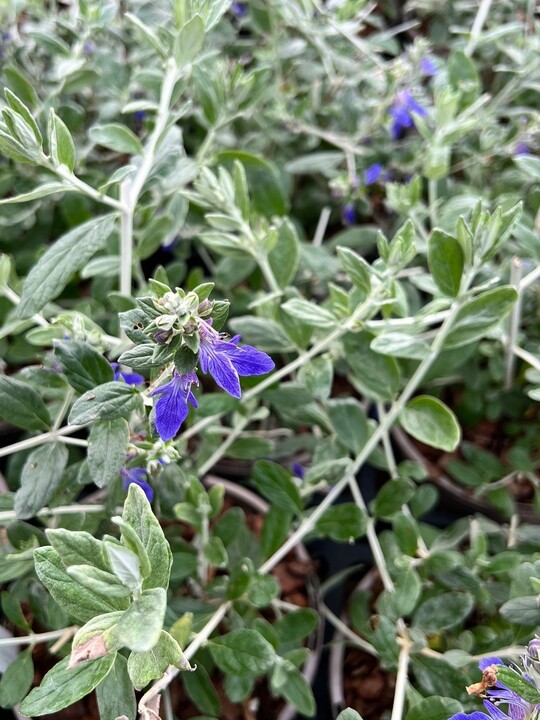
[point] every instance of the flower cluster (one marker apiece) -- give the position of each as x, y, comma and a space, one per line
224, 360
519, 702
401, 112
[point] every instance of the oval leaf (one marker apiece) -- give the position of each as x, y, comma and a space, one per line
479, 315
432, 422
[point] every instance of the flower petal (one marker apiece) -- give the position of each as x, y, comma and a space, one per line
223, 372
171, 410
247, 360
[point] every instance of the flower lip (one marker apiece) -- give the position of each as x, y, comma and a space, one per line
138, 476
172, 407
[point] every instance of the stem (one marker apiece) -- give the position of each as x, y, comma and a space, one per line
63, 409
516, 272
35, 638
432, 196
79, 184
12, 296
346, 631
222, 449
39, 440
126, 238
401, 679
386, 423
6, 515
322, 225
268, 274
478, 24
162, 118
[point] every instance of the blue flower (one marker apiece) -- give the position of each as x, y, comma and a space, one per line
137, 475
225, 361
471, 716
139, 115
348, 214
521, 148
372, 173
298, 470
238, 9
427, 66
172, 407
129, 378
401, 111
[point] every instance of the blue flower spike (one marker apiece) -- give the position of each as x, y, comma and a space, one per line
401, 112
172, 407
139, 476
372, 173
226, 362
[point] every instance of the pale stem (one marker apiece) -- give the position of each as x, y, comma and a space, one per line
79, 442
516, 271
527, 356
432, 196
512, 531
35, 638
268, 274
126, 238
79, 184
38, 318
201, 545
322, 225
392, 468
373, 538
222, 449
12, 296
478, 24
7, 515
386, 423
419, 225
50, 436
511, 651
401, 679
63, 409
162, 118
346, 631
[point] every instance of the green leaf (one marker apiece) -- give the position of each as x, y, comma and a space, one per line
70, 253
518, 684
445, 260
125, 565
62, 687
77, 600
285, 254
100, 581
262, 590
201, 691
41, 191
20, 108
289, 682
138, 513
143, 667
443, 611
17, 679
21, 405
61, 146
317, 376
13, 611
343, 522
277, 485
377, 375
309, 313
77, 547
117, 137
349, 714
401, 345
115, 694
296, 625
434, 708
436, 676
185, 360
41, 477
408, 588
432, 422
275, 529
140, 627
356, 268
392, 495
242, 652
349, 422
479, 315
189, 41
107, 446
83, 366
264, 333
105, 402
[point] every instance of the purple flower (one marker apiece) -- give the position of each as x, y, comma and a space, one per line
225, 361
401, 111
298, 470
372, 173
129, 378
348, 214
472, 716
137, 475
139, 115
427, 66
172, 407
89, 47
238, 9
521, 148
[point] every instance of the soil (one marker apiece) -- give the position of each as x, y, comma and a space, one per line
368, 689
